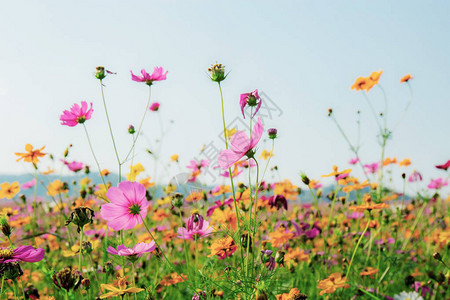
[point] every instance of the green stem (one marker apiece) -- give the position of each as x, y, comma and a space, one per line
1, 289
93, 154
110, 130
162, 252
332, 207
140, 126
81, 250
356, 249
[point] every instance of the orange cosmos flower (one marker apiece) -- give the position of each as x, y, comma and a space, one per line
287, 189
333, 282
194, 197
361, 83
280, 237
56, 187
31, 155
368, 204
223, 247
389, 161
406, 78
404, 163
335, 172
8, 191
369, 271
293, 294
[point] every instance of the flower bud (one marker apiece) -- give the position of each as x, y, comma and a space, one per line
4, 226
81, 216
100, 72
272, 133
246, 240
31, 292
154, 106
86, 283
177, 200
330, 111
131, 129
109, 267
266, 255
217, 73
10, 270
305, 179
67, 279
86, 247
437, 256
279, 258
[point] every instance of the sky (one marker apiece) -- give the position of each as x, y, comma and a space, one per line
303, 55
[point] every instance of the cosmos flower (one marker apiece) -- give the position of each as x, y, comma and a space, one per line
74, 166
198, 165
406, 78
197, 228
28, 184
437, 183
241, 145
353, 161
137, 250
154, 106
76, 115
21, 253
8, 191
223, 248
333, 282
372, 168
415, 176
128, 205
157, 75
408, 296
31, 155
250, 99
444, 166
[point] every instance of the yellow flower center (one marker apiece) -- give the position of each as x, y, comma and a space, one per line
6, 253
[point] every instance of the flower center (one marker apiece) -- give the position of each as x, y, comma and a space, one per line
135, 209
81, 119
6, 253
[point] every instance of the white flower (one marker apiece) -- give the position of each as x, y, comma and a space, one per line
408, 296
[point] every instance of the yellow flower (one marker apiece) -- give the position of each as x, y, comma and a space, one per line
105, 172
31, 156
8, 191
56, 187
404, 163
101, 191
121, 290
170, 189
146, 182
135, 171
230, 132
333, 282
280, 237
174, 157
266, 154
287, 189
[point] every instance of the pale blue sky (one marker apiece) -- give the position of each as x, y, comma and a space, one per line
303, 54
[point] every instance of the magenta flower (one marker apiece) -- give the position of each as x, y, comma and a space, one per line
197, 228
219, 204
241, 145
278, 201
353, 161
444, 166
128, 206
252, 100
437, 183
22, 253
154, 106
198, 165
157, 75
73, 166
76, 115
415, 176
372, 168
137, 250
28, 184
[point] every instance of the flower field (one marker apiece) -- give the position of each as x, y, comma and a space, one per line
118, 234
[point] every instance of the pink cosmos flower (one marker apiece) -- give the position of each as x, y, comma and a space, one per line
252, 100
444, 166
415, 176
157, 75
137, 250
73, 166
76, 115
21, 253
437, 183
198, 165
28, 184
128, 204
219, 204
353, 161
372, 168
241, 145
197, 228
154, 106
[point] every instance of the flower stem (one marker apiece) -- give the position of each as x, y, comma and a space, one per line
162, 252
356, 249
110, 130
81, 250
140, 126
93, 154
